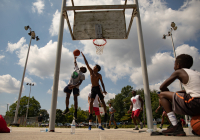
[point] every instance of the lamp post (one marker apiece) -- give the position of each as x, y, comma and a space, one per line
32, 34
174, 27
28, 99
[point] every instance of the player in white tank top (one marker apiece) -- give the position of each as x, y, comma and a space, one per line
136, 107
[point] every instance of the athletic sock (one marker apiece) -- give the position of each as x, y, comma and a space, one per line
99, 124
136, 126
90, 123
172, 118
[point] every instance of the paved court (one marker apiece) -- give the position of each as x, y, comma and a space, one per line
30, 133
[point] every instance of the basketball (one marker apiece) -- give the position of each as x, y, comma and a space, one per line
76, 52
195, 124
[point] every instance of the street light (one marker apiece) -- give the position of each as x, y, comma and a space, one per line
28, 99
32, 34
174, 27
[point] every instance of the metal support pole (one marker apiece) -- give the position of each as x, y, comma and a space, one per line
22, 81
144, 71
28, 103
57, 71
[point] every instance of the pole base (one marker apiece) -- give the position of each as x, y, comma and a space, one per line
149, 130
51, 131
15, 124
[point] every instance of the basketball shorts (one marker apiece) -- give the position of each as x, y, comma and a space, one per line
96, 110
96, 91
135, 113
112, 117
75, 90
184, 104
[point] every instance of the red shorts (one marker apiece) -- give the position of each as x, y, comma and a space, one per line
96, 110
135, 113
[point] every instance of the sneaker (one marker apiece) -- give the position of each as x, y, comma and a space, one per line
89, 128
100, 127
136, 128
66, 111
105, 117
169, 126
108, 127
75, 115
115, 127
176, 130
141, 125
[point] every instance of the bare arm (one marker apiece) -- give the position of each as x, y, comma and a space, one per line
131, 106
75, 64
142, 102
158, 108
171, 79
86, 62
88, 99
104, 91
73, 86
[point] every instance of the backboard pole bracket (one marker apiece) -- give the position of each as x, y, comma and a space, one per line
125, 4
67, 19
134, 13
73, 4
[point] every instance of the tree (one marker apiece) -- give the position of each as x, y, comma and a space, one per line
59, 117
34, 107
44, 113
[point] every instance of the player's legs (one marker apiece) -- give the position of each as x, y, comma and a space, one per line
90, 121
68, 91
91, 104
99, 120
104, 106
67, 103
75, 105
165, 99
67, 99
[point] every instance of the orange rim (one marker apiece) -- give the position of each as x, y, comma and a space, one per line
99, 44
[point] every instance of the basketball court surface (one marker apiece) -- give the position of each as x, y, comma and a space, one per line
31, 133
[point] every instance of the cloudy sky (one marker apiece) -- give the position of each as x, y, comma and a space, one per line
120, 61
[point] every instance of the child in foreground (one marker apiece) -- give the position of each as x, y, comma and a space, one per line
185, 102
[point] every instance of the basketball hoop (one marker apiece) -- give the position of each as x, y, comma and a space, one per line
99, 44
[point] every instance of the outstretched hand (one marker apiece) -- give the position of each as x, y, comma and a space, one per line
105, 92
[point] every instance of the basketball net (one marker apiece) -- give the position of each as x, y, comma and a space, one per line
99, 44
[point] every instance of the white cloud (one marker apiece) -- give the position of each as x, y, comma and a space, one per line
38, 6
61, 86
12, 47
2, 56
29, 80
53, 30
9, 84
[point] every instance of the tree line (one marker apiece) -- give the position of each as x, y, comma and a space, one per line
121, 103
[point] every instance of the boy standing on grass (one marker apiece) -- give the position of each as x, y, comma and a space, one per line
136, 107
185, 102
95, 77
75, 81
112, 119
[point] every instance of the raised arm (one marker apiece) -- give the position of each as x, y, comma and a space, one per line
86, 62
75, 64
104, 91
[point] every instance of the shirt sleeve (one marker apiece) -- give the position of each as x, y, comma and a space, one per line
82, 77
